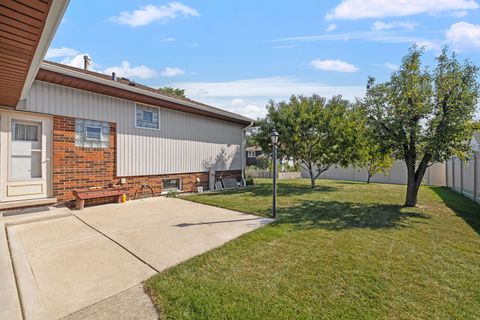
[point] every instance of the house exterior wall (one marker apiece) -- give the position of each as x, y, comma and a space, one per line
184, 143
81, 167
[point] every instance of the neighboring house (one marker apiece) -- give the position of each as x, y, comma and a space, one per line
64, 128
251, 154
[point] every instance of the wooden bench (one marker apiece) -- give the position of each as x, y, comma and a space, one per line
84, 194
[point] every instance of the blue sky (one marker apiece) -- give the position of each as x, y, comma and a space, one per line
239, 54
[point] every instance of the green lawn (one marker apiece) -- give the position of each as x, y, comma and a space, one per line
344, 250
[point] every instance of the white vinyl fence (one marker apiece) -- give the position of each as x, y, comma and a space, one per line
464, 176
267, 174
435, 175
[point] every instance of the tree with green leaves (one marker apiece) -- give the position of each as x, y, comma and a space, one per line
372, 154
314, 132
174, 91
424, 116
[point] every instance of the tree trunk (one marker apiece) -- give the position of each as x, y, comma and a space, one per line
368, 179
411, 197
312, 180
414, 179
312, 176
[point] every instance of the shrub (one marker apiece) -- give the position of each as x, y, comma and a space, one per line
173, 194
249, 181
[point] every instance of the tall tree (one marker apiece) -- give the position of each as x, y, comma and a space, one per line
174, 91
313, 131
373, 155
425, 116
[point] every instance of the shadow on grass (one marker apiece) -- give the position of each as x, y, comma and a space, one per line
283, 189
465, 208
334, 215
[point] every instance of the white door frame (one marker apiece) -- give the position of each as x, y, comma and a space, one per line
38, 188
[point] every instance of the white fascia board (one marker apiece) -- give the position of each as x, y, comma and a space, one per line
55, 15
111, 83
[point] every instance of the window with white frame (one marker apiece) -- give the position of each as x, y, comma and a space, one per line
251, 154
172, 184
147, 117
91, 133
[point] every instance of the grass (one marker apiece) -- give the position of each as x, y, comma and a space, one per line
344, 250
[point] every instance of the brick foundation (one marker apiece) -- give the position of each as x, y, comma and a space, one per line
79, 167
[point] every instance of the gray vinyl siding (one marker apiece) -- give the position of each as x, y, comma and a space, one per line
184, 143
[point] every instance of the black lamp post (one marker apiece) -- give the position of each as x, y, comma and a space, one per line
274, 137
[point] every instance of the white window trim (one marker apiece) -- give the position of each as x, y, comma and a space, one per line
249, 154
180, 186
91, 139
150, 106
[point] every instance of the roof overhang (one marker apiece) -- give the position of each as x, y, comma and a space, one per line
78, 80
26, 31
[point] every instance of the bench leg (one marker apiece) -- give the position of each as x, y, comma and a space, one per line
80, 204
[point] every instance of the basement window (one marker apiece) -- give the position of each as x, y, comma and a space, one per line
91, 133
147, 117
171, 185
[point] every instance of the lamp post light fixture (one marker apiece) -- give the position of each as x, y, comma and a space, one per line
274, 137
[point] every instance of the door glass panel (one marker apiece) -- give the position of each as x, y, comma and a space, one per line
26, 132
26, 151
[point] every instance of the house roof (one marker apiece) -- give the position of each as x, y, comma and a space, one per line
123, 88
255, 148
26, 30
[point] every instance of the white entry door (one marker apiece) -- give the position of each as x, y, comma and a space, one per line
25, 156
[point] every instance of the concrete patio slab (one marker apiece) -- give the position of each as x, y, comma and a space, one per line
87, 266
63, 266
131, 304
10, 304
166, 231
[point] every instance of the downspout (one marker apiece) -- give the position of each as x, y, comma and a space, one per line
244, 140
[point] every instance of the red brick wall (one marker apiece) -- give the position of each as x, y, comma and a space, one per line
79, 167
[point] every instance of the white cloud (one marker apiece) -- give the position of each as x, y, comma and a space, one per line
60, 52
244, 108
380, 25
361, 9
249, 97
430, 45
460, 14
169, 39
464, 36
76, 61
391, 66
151, 13
127, 71
289, 46
333, 65
331, 27
171, 72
